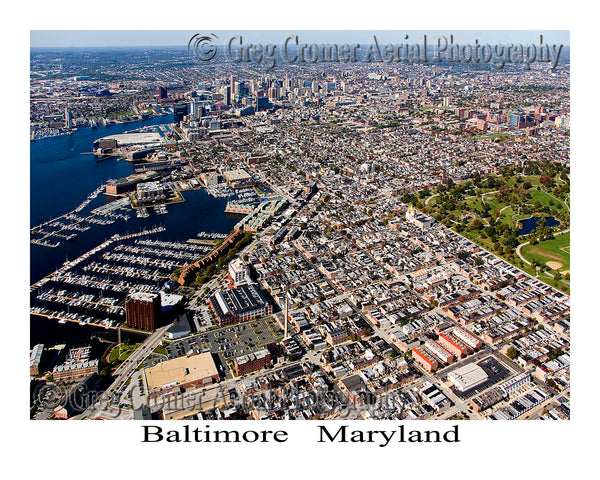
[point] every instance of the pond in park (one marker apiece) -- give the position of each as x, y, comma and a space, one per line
528, 224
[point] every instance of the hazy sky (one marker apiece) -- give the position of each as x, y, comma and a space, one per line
110, 38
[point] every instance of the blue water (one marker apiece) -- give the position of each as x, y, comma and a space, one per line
63, 172
530, 224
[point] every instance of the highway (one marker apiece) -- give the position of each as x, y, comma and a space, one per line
122, 374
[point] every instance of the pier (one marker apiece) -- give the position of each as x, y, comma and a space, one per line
67, 226
92, 289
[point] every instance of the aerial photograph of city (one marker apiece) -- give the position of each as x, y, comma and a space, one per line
314, 239
301, 226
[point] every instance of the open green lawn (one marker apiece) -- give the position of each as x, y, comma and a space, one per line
550, 250
544, 198
125, 351
533, 179
474, 204
490, 135
508, 214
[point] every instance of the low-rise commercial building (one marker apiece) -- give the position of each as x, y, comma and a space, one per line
467, 377
239, 304
252, 362
183, 372
425, 359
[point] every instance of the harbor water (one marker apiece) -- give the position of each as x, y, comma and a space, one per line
63, 172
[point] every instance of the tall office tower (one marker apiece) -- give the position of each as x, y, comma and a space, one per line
243, 89
261, 103
274, 92
68, 118
195, 109
162, 93
142, 310
232, 82
179, 111
226, 91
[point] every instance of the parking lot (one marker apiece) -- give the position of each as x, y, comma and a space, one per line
496, 373
184, 346
202, 318
228, 342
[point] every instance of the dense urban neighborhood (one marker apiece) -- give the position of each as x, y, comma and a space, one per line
394, 240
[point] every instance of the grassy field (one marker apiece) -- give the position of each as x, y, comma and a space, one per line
556, 250
491, 202
545, 199
490, 135
533, 179
120, 355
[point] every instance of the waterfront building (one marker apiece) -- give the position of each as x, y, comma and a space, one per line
35, 358
150, 192
76, 366
162, 93
68, 118
179, 111
142, 310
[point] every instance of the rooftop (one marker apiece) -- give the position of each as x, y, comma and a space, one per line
180, 370
468, 376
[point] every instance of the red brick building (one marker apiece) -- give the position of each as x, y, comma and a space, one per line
453, 345
142, 310
252, 362
336, 337
425, 359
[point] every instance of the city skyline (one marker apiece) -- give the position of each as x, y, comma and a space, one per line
180, 38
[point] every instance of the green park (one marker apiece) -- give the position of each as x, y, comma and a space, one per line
490, 211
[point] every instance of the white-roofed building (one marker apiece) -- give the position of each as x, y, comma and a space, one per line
467, 377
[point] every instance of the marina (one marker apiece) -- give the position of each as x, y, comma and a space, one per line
92, 289
160, 209
66, 226
212, 235
98, 251
221, 190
